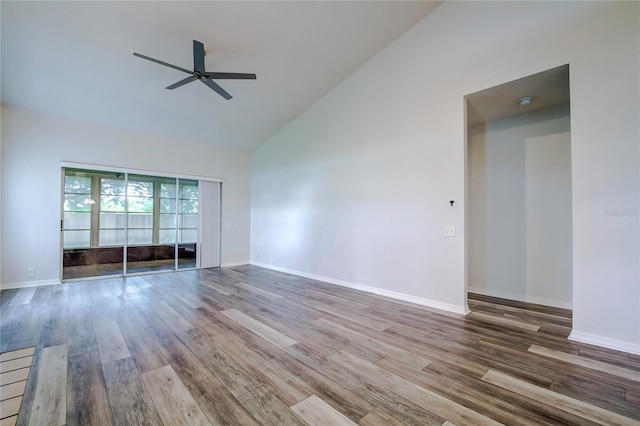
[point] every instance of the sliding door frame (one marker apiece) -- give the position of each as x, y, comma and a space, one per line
153, 173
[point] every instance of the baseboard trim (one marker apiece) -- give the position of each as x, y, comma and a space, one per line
230, 264
24, 284
520, 298
460, 310
592, 339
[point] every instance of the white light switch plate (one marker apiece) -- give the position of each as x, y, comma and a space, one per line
450, 231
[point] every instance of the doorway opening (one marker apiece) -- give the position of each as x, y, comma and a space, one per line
518, 192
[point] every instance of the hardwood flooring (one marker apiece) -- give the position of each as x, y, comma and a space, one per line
250, 346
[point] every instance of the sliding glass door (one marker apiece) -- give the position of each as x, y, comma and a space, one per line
120, 223
93, 224
146, 222
188, 218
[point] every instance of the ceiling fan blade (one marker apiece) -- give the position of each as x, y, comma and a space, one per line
162, 63
198, 56
231, 75
212, 84
182, 82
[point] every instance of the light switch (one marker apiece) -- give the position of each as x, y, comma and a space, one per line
450, 231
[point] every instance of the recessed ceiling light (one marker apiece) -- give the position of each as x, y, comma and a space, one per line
525, 101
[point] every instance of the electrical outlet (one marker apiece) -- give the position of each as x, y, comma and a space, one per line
31, 272
450, 231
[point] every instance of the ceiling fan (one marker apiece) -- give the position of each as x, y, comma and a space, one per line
199, 72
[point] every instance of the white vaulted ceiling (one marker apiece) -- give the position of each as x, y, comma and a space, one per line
74, 59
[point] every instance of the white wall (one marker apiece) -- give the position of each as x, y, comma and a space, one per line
359, 184
519, 207
33, 145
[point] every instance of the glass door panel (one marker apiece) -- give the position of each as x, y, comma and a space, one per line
149, 247
187, 223
93, 244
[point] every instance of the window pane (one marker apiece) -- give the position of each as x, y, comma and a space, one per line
188, 235
167, 236
167, 205
139, 189
140, 236
188, 190
186, 256
77, 203
77, 220
188, 221
140, 204
188, 206
76, 239
168, 190
140, 220
111, 237
111, 220
112, 186
112, 203
77, 185
188, 211
168, 221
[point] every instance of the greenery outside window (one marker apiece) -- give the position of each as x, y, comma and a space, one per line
77, 211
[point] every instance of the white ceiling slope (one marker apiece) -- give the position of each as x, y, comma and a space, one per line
74, 59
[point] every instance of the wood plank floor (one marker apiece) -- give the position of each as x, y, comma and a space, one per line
246, 345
